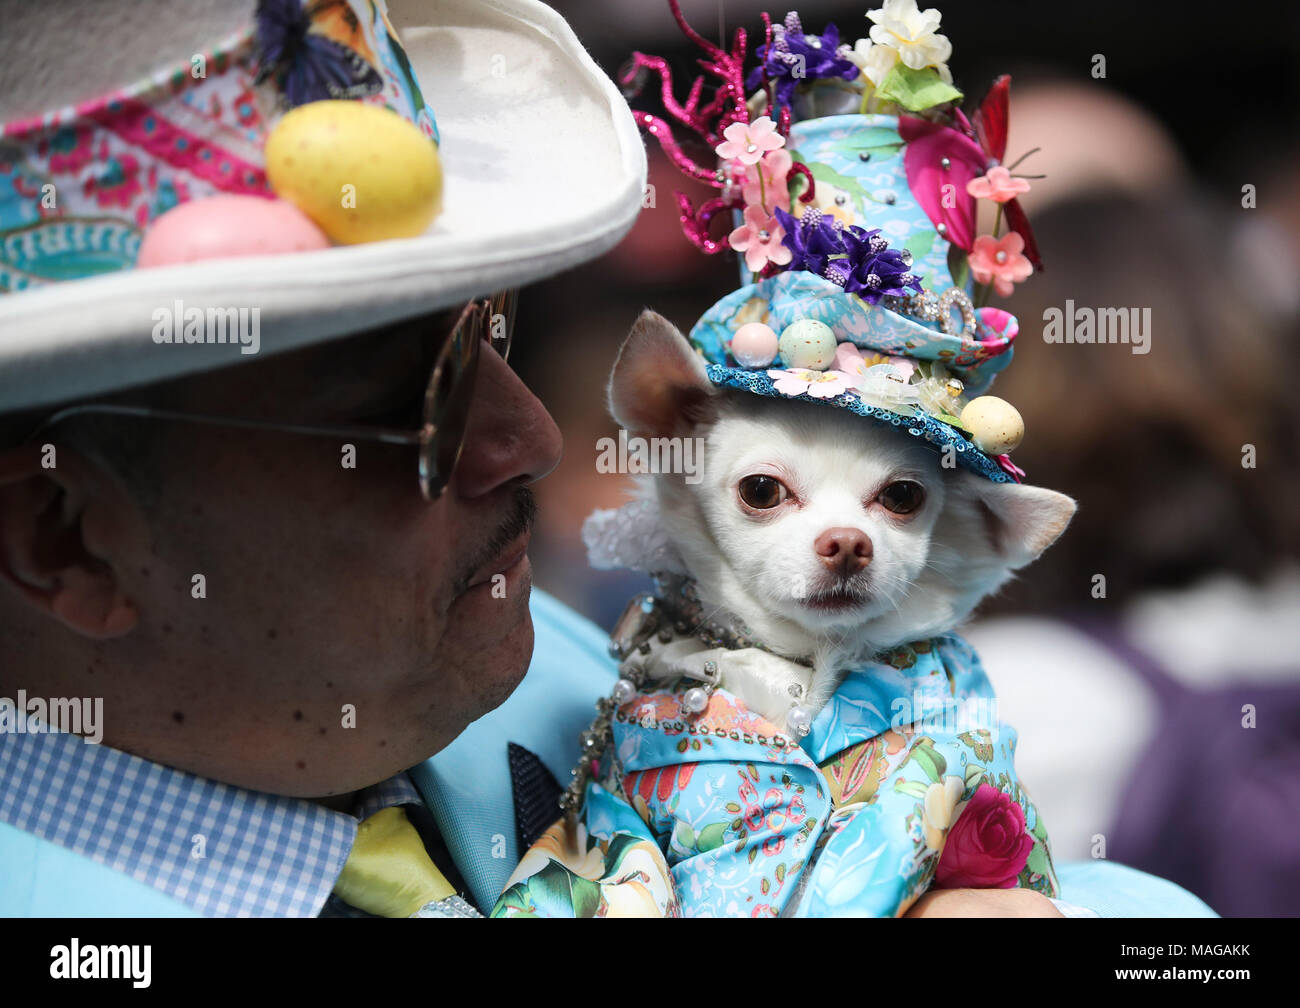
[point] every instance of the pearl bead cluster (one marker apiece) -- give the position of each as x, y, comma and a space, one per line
674, 612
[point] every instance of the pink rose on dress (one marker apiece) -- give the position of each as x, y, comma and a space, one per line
987, 846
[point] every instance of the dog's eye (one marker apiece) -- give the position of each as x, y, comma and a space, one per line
902, 497
762, 492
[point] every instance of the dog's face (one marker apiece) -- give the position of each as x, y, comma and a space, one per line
815, 526
824, 518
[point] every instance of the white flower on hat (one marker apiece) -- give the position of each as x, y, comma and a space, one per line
875, 61
903, 32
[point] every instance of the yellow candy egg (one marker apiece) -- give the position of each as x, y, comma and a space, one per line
995, 425
361, 172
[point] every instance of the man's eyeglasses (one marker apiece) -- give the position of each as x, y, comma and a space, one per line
446, 403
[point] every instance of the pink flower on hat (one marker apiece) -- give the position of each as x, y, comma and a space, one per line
998, 185
772, 169
748, 142
818, 384
760, 239
1000, 261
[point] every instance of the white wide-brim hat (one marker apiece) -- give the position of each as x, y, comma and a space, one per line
542, 163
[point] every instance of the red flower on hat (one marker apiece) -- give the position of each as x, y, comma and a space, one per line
937, 155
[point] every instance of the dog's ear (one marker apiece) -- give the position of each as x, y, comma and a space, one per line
659, 386
1020, 521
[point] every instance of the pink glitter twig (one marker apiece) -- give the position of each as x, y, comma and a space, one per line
695, 222
725, 107
662, 132
799, 168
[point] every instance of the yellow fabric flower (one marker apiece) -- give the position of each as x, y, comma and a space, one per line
937, 817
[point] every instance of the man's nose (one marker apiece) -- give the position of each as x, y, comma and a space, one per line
844, 550
510, 438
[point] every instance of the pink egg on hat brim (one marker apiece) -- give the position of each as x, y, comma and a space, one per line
754, 345
228, 227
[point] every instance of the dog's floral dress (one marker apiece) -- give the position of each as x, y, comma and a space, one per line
905, 782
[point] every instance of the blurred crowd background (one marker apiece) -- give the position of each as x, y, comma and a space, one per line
1160, 724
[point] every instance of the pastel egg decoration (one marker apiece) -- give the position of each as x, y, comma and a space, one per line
363, 173
807, 343
995, 425
754, 345
228, 226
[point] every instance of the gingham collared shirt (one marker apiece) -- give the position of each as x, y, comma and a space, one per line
222, 850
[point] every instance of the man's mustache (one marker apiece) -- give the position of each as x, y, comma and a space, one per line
522, 515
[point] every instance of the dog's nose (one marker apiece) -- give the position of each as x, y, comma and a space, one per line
844, 550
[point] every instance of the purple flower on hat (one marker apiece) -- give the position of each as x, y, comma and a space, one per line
305, 65
794, 57
856, 259
875, 268
812, 239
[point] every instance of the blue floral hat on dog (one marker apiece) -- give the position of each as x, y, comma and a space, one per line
852, 179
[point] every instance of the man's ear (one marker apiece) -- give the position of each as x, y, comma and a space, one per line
659, 386
1021, 521
58, 526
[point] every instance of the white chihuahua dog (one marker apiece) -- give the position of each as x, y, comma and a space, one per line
826, 537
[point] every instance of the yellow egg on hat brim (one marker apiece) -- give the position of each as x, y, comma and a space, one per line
361, 172
995, 425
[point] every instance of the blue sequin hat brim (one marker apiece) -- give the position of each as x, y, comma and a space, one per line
935, 433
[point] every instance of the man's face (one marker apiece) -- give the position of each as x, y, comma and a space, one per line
350, 629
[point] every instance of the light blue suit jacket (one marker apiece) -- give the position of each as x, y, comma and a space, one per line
468, 788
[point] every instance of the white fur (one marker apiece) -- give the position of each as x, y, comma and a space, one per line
927, 572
